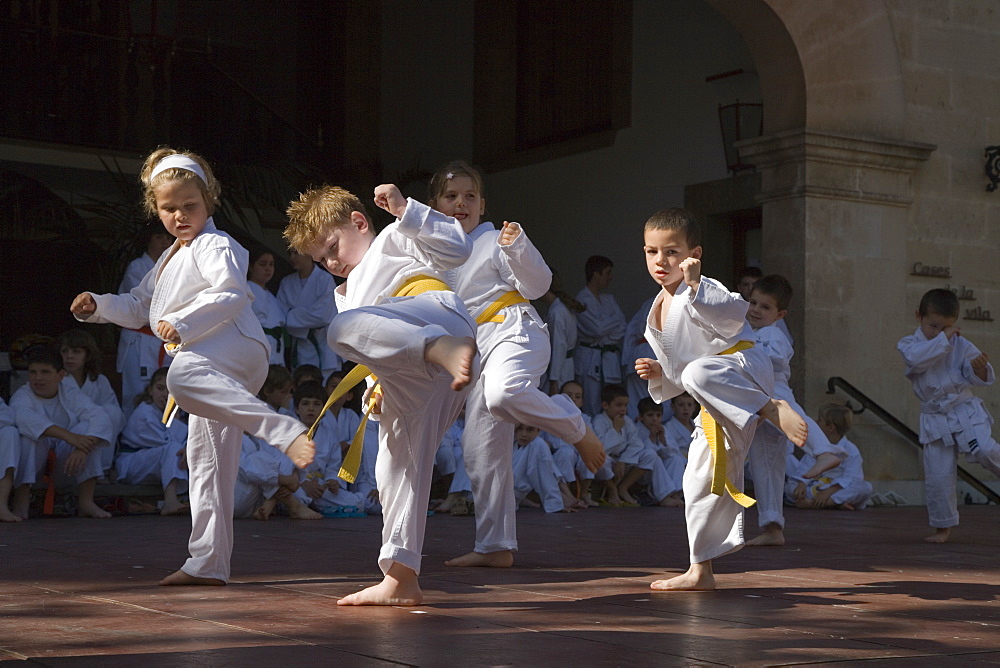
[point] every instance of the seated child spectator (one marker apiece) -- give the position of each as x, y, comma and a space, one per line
82, 362
944, 366
58, 419
629, 459
769, 302
328, 494
266, 478
276, 391
152, 451
843, 486
534, 471
10, 451
653, 434
304, 373
680, 430
568, 461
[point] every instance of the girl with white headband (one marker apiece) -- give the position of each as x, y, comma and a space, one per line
197, 301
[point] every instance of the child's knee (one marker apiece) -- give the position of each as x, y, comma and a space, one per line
698, 373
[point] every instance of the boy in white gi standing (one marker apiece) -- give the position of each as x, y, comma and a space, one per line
601, 331
307, 298
704, 345
196, 299
944, 366
399, 319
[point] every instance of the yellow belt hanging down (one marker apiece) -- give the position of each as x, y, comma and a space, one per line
413, 286
717, 444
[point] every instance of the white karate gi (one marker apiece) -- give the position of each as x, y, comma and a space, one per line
669, 453
628, 447
767, 452
10, 440
333, 429
364, 482
597, 357
635, 346
389, 335
567, 458
309, 308
698, 326
257, 480
200, 288
70, 409
271, 314
562, 333
678, 436
100, 392
444, 459
150, 449
952, 419
535, 471
139, 355
514, 355
849, 475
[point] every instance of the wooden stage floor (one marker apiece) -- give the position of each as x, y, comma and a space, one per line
848, 588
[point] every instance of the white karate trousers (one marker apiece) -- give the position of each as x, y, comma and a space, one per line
940, 472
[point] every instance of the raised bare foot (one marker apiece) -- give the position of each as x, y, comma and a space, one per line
784, 417
174, 508
91, 509
302, 451
499, 559
264, 512
824, 462
939, 536
455, 354
180, 578
769, 538
591, 450
399, 587
7, 516
695, 579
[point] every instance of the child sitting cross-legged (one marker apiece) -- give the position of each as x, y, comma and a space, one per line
679, 430
651, 430
566, 457
629, 459
534, 471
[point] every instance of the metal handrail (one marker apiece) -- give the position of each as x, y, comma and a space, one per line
867, 404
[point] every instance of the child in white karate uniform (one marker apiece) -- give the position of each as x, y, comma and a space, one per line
267, 478
650, 427
140, 351
769, 301
197, 301
630, 459
560, 318
680, 428
153, 452
534, 471
567, 458
597, 357
52, 416
307, 297
944, 366
504, 271
82, 362
266, 306
704, 346
635, 346
844, 486
10, 451
325, 492
396, 317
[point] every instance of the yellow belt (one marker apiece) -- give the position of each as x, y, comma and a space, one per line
717, 444
171, 408
415, 285
492, 312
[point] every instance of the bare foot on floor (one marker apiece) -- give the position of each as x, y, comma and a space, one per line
627, 498
591, 450
824, 462
768, 539
174, 508
500, 559
180, 578
784, 417
264, 512
302, 451
455, 354
7, 516
301, 511
91, 509
399, 587
671, 502
939, 536
695, 579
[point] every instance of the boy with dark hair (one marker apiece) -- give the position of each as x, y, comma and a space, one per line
57, 418
944, 366
597, 357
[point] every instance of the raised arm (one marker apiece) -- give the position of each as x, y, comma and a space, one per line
714, 308
520, 263
921, 354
